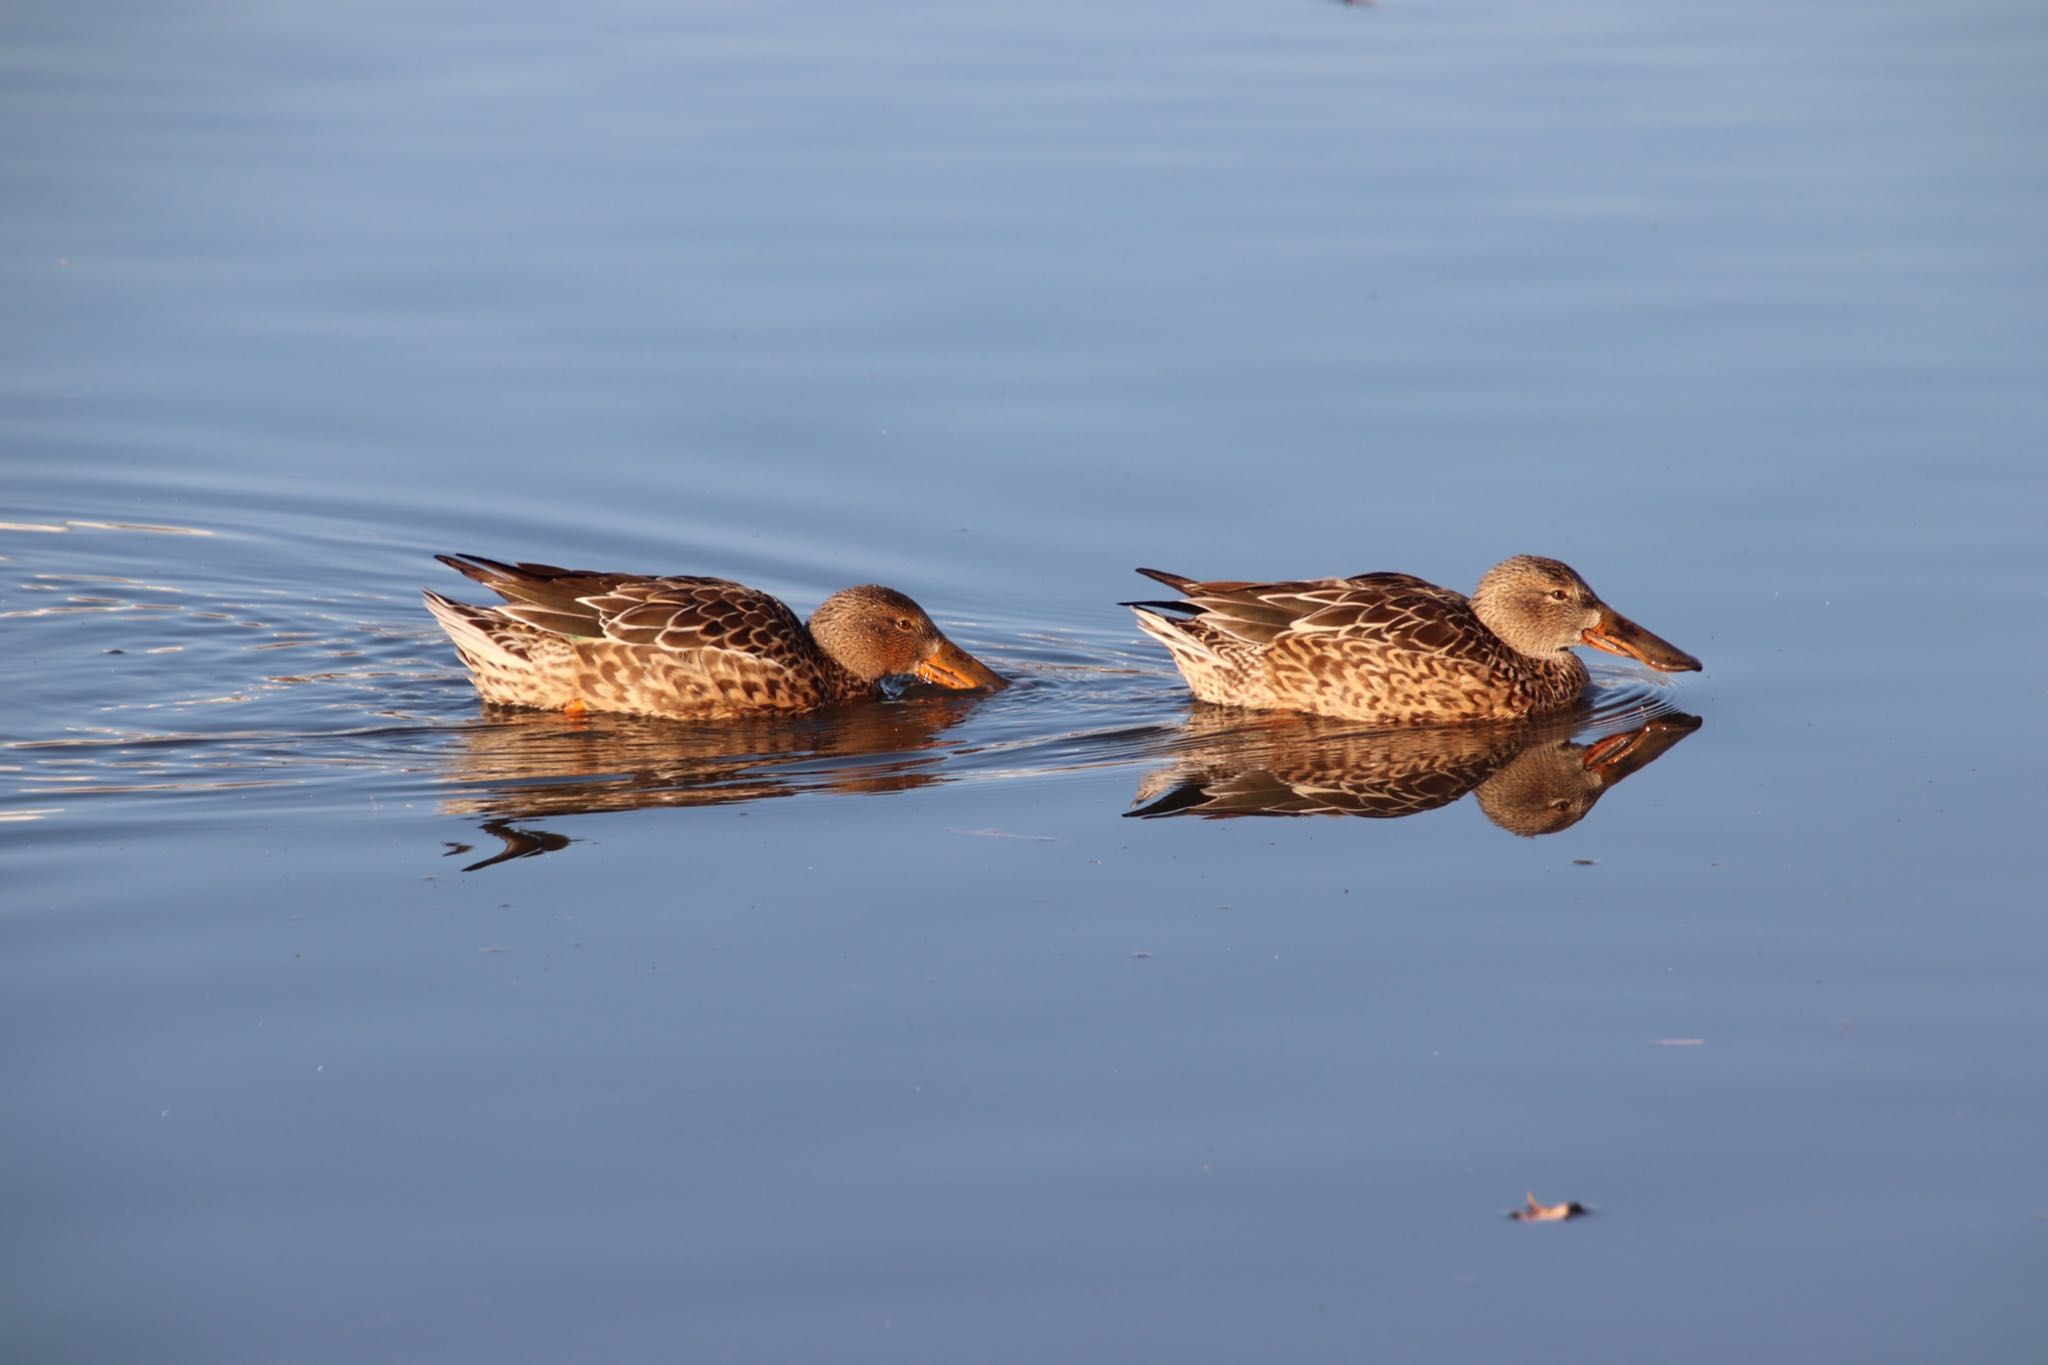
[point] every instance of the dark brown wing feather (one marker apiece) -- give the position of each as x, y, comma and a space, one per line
1401, 612
681, 613
687, 615
1391, 610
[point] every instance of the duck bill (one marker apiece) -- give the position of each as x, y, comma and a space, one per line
1617, 634
1616, 756
952, 666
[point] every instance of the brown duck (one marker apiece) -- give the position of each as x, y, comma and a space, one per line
1391, 648
686, 647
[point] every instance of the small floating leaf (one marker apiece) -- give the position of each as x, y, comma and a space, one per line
1547, 1213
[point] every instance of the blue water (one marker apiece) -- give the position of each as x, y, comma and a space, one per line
351, 1021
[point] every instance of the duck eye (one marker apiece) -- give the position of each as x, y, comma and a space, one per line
904, 623
1558, 594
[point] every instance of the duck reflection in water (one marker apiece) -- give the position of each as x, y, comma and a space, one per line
523, 765
1529, 777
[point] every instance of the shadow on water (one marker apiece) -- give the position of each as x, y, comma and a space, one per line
524, 765
1529, 777
519, 768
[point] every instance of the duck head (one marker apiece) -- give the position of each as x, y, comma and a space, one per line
874, 632
1542, 607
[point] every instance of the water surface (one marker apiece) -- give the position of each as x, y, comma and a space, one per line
353, 1020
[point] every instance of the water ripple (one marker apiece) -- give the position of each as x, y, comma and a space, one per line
159, 683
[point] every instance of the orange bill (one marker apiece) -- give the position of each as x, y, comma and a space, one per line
1617, 634
1614, 757
952, 666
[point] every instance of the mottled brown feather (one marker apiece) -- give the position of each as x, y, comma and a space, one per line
684, 646
1385, 647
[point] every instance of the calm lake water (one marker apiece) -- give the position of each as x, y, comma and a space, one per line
348, 1021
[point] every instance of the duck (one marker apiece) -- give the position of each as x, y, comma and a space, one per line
687, 647
1394, 649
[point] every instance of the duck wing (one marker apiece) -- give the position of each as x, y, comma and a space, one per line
1389, 611
682, 613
